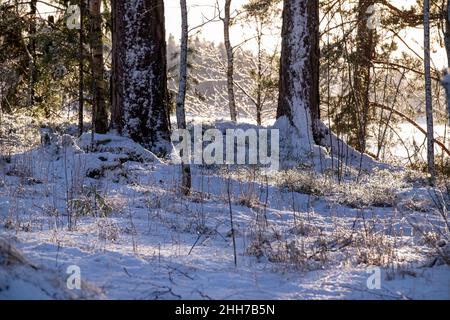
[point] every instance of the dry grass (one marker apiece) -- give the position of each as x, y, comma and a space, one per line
377, 190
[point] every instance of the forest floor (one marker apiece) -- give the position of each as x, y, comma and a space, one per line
299, 234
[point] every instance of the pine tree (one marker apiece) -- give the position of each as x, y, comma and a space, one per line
260, 15
299, 74
139, 85
298, 114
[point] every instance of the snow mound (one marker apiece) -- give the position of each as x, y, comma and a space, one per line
298, 148
74, 158
116, 145
9, 255
352, 156
21, 279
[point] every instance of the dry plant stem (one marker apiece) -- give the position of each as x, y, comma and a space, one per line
231, 220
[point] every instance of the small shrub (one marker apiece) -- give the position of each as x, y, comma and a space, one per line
247, 200
108, 230
437, 236
305, 182
373, 249
90, 203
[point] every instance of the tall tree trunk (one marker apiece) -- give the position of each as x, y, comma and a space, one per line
299, 70
447, 48
140, 105
259, 77
300, 128
429, 105
230, 61
100, 113
365, 50
447, 32
117, 34
32, 54
314, 67
81, 71
181, 97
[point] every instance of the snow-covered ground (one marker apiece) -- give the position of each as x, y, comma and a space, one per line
298, 235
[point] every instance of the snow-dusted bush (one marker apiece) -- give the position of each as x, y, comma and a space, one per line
21, 166
437, 235
362, 195
309, 253
377, 189
108, 230
373, 249
306, 182
91, 202
304, 228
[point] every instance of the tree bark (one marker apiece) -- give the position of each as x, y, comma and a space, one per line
429, 104
301, 130
81, 71
181, 97
140, 97
117, 34
446, 81
259, 77
447, 32
299, 69
314, 65
100, 112
230, 61
32, 54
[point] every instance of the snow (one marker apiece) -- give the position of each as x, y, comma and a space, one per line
19, 279
117, 144
156, 245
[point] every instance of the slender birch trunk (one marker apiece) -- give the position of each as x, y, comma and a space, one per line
181, 97
230, 61
259, 79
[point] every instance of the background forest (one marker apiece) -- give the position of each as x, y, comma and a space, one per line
40, 69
